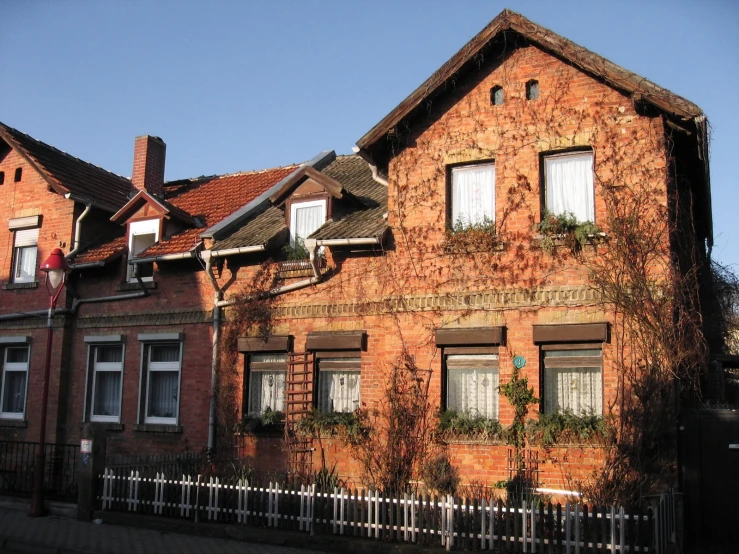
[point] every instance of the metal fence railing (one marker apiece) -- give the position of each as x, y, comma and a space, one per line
18, 463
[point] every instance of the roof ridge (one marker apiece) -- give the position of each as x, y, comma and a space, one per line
59, 151
235, 174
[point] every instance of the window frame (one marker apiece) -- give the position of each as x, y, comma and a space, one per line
451, 169
318, 371
295, 205
471, 351
558, 347
144, 386
4, 348
543, 157
18, 256
264, 367
139, 228
93, 371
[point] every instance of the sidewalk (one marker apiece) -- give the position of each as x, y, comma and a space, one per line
51, 534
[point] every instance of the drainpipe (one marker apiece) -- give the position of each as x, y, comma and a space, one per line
77, 231
371, 163
75, 305
217, 298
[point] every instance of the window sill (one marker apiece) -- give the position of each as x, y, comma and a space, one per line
135, 286
104, 425
157, 428
473, 441
18, 286
17, 423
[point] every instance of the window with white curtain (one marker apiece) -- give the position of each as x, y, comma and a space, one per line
473, 195
142, 234
14, 382
25, 249
339, 382
472, 382
573, 379
569, 185
305, 218
107, 381
267, 372
162, 387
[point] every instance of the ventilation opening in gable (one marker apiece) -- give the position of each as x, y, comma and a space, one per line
532, 89
18, 174
496, 95
2, 177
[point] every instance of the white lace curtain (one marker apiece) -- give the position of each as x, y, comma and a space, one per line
339, 391
267, 388
473, 194
569, 185
164, 373
306, 218
107, 394
473, 390
14, 392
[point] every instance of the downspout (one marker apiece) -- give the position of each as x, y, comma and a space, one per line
217, 298
75, 305
371, 163
77, 231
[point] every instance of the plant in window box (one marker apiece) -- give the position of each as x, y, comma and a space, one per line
567, 427
467, 237
351, 426
296, 252
566, 229
268, 422
467, 425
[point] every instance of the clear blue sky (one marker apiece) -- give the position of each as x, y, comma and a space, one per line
239, 85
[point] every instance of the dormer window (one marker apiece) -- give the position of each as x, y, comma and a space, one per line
141, 235
305, 218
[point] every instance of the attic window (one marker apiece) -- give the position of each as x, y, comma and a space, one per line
18, 174
2, 177
305, 218
496, 95
142, 234
532, 89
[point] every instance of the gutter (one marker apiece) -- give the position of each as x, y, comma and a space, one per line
77, 230
86, 265
234, 251
370, 162
163, 258
349, 242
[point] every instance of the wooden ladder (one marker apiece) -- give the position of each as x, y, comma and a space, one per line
298, 404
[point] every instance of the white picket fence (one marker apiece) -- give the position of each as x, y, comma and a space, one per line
441, 521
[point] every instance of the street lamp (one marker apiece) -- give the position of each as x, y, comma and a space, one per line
56, 269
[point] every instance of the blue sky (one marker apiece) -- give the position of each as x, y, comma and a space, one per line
239, 85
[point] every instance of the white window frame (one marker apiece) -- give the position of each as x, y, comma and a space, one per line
486, 214
147, 227
18, 258
591, 184
15, 367
307, 204
96, 367
148, 368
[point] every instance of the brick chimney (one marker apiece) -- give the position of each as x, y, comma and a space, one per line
148, 164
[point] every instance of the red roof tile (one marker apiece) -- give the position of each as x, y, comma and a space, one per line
103, 253
209, 199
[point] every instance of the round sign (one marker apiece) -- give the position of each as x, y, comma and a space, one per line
519, 361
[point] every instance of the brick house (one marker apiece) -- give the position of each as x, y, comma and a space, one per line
428, 241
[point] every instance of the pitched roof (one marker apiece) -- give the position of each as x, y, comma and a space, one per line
106, 252
590, 62
211, 199
67, 174
369, 222
362, 217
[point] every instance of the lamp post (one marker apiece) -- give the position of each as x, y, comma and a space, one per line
56, 269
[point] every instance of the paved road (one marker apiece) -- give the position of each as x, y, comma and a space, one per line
55, 534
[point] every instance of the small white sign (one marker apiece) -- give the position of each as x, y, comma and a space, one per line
86, 446
734, 447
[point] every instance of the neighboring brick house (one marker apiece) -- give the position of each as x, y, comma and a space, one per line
424, 242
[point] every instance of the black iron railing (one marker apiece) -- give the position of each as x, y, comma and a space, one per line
18, 461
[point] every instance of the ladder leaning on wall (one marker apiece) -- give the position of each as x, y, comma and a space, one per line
298, 404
